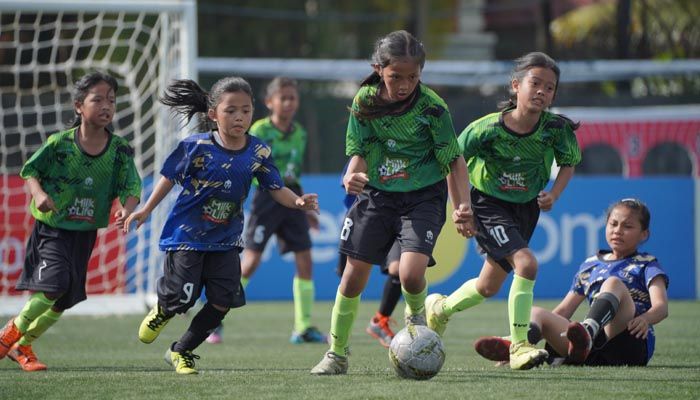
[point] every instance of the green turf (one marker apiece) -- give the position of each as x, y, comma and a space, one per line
101, 358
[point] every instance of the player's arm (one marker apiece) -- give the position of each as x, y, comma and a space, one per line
161, 190
458, 188
355, 177
289, 199
546, 200
639, 325
42, 200
568, 305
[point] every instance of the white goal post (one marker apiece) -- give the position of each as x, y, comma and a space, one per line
45, 46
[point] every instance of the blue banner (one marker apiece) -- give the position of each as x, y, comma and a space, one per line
573, 230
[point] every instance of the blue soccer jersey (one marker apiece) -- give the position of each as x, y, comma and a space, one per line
208, 212
636, 272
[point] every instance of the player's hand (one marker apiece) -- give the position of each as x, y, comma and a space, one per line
312, 219
121, 215
355, 182
463, 218
44, 203
139, 217
545, 200
638, 327
308, 201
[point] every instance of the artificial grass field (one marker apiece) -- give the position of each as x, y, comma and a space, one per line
102, 358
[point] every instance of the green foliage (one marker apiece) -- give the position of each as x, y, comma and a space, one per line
309, 29
101, 358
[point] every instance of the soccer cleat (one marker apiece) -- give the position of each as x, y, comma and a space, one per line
493, 348
8, 336
331, 364
25, 357
152, 324
310, 335
183, 362
216, 336
413, 319
379, 329
580, 343
524, 355
437, 319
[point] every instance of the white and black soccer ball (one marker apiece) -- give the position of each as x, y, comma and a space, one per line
416, 352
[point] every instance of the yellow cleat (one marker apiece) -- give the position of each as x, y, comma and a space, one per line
437, 319
152, 325
183, 362
523, 355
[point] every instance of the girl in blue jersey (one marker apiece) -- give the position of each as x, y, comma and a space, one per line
626, 290
202, 235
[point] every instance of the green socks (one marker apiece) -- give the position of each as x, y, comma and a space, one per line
344, 312
33, 308
303, 301
415, 302
465, 297
39, 326
519, 307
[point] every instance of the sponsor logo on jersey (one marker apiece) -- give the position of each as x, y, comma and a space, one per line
512, 181
393, 168
218, 212
83, 209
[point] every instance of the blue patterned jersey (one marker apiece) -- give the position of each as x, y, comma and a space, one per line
208, 212
636, 272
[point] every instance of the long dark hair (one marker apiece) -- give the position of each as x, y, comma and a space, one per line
82, 87
397, 45
524, 64
187, 98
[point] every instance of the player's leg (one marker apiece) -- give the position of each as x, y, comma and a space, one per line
379, 325
440, 308
414, 287
221, 272
347, 302
612, 308
304, 293
523, 354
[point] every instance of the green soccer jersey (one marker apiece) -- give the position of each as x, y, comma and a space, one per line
406, 151
288, 148
82, 186
516, 167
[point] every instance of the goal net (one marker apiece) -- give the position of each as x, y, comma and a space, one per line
45, 46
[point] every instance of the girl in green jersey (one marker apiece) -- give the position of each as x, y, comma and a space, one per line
509, 155
403, 147
73, 179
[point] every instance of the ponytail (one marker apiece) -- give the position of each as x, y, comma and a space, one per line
187, 98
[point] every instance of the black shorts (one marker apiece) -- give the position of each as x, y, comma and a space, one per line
187, 272
394, 255
268, 217
378, 218
57, 262
623, 349
503, 227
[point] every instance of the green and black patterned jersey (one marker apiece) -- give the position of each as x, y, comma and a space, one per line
516, 167
288, 148
406, 151
82, 186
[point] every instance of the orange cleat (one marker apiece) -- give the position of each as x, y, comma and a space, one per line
379, 329
25, 357
8, 336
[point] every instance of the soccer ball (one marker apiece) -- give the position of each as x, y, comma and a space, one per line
416, 352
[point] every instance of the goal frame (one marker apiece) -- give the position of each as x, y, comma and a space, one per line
186, 40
